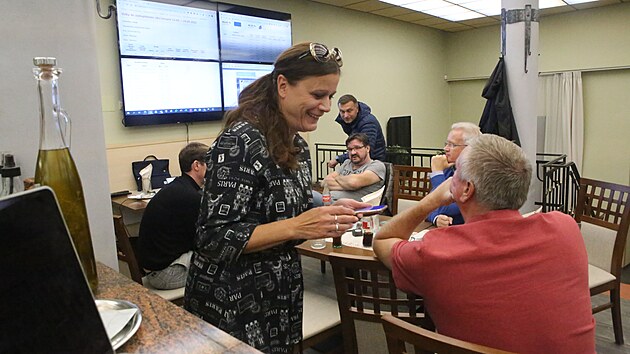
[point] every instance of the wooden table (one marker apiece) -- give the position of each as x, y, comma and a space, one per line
133, 204
165, 327
323, 254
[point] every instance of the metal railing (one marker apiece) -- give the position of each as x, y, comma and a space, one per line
560, 179
396, 155
560, 183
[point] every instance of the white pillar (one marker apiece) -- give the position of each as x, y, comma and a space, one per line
522, 86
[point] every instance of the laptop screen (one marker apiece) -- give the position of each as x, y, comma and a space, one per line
47, 305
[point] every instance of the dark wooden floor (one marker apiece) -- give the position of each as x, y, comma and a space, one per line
323, 284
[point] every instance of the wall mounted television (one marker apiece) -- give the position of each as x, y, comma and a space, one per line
188, 63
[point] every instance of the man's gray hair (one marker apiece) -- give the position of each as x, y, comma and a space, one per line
469, 130
499, 170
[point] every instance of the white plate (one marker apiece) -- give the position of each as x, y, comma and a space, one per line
130, 328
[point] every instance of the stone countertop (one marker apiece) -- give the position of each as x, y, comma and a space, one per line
165, 328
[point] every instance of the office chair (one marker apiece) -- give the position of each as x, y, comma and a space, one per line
603, 213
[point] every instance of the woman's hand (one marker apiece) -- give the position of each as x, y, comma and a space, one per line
326, 221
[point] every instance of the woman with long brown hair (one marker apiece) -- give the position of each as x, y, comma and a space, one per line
246, 276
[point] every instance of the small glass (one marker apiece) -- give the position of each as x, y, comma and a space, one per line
337, 242
376, 223
318, 243
367, 230
367, 238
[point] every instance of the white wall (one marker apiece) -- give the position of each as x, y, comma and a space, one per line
63, 29
587, 39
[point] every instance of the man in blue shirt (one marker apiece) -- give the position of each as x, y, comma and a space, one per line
356, 117
443, 167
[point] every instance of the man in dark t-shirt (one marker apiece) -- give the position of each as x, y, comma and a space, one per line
167, 229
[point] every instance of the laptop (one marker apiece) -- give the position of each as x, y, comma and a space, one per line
46, 305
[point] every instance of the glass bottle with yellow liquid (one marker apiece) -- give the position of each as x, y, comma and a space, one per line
55, 166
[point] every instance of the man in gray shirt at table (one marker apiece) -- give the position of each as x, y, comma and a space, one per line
359, 175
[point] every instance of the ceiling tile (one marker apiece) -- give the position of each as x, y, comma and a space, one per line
413, 16
451, 25
338, 3
431, 21
590, 5
405, 14
556, 10
368, 6
393, 11
483, 21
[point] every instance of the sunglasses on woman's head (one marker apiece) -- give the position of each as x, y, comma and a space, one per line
322, 54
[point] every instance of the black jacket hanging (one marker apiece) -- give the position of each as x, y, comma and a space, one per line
497, 117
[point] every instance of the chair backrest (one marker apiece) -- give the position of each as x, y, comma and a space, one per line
388, 193
603, 212
125, 251
365, 291
410, 182
399, 332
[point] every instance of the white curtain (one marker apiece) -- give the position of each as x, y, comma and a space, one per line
562, 104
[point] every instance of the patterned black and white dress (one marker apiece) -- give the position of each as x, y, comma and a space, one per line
255, 297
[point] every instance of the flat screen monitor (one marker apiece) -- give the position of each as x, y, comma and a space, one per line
236, 76
189, 63
252, 38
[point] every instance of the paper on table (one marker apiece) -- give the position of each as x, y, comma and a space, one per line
116, 320
417, 236
357, 241
145, 174
142, 195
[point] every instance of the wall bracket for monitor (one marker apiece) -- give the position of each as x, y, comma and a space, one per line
527, 15
110, 9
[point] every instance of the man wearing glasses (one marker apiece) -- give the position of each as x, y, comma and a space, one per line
356, 117
359, 175
443, 167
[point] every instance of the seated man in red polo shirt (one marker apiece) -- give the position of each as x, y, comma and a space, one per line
501, 280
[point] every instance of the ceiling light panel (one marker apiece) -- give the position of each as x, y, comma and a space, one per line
545, 4
486, 7
461, 10
571, 2
462, 16
427, 5
397, 2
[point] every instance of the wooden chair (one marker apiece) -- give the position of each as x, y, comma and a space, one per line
603, 213
365, 291
126, 254
399, 332
411, 184
320, 319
